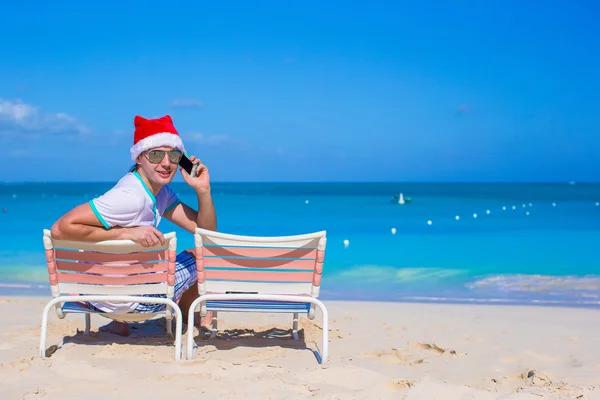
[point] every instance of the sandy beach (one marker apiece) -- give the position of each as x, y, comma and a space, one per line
377, 351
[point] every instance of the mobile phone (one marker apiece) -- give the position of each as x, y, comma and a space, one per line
186, 164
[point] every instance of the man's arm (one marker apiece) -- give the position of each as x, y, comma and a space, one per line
82, 224
189, 219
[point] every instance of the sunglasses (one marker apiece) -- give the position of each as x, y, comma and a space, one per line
156, 156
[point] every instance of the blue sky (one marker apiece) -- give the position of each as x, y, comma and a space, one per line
309, 91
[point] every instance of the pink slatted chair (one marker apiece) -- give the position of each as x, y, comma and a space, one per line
113, 270
259, 274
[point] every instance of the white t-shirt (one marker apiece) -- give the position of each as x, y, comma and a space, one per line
130, 203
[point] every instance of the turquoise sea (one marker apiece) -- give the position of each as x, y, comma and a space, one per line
542, 249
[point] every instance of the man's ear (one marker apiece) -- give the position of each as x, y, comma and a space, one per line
138, 160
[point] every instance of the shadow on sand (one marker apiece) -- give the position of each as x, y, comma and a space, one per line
231, 338
153, 333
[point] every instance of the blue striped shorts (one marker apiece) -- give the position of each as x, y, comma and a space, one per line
185, 278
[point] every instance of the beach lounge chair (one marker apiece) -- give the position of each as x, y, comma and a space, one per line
113, 270
259, 274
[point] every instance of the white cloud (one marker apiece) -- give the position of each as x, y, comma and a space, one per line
18, 118
187, 103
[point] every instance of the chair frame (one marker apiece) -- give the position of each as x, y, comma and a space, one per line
259, 241
115, 293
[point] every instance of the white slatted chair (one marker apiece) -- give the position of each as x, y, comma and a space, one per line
259, 274
112, 270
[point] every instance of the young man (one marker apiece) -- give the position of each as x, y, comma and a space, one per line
133, 208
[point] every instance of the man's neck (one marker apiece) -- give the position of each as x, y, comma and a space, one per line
154, 188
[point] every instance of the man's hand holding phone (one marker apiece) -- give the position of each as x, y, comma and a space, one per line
195, 174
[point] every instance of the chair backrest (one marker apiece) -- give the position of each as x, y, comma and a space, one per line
112, 267
271, 265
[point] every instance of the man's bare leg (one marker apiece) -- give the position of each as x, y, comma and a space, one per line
116, 327
185, 303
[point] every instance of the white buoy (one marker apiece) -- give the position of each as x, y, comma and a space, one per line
514, 207
504, 208
305, 201
488, 211
346, 243
401, 199
393, 231
457, 218
530, 205
523, 205
597, 204
475, 215
553, 204
429, 222
527, 213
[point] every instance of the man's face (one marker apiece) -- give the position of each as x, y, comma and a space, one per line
159, 164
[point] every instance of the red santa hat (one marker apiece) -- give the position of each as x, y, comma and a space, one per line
152, 133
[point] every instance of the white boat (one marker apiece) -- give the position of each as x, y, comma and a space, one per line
400, 199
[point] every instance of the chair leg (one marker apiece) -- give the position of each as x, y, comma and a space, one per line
44, 329
190, 332
295, 327
87, 324
325, 344
59, 312
169, 322
170, 327
213, 331
178, 333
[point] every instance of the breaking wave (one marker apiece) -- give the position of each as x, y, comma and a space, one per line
585, 286
378, 273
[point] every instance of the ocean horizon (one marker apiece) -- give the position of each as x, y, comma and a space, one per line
512, 243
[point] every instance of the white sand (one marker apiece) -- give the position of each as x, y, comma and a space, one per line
377, 351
